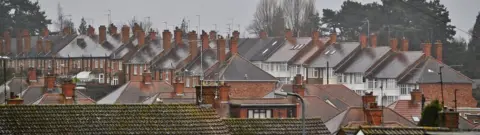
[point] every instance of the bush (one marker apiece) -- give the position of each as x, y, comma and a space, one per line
430, 116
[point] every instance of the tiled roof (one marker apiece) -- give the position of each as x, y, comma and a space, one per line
172, 97
275, 126
237, 68
58, 98
269, 48
397, 63
334, 54
318, 108
58, 42
97, 92
110, 119
209, 59
311, 52
364, 60
288, 50
174, 56
376, 130
261, 101
135, 92
339, 95
147, 52
427, 72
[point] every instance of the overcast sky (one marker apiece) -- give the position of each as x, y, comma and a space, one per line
219, 12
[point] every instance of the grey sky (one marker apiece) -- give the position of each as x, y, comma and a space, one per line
220, 12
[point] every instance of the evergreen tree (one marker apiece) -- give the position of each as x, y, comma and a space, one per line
22, 14
430, 116
473, 59
82, 29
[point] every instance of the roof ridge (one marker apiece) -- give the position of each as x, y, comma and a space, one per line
458, 73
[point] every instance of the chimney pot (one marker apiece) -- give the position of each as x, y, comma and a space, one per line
152, 35
236, 34
178, 87
125, 34
205, 40
167, 39
221, 49
427, 48
68, 89
394, 44
263, 34
439, 50
102, 32
373, 39
363, 40
140, 37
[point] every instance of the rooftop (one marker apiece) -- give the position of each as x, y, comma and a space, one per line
427, 72
397, 63
288, 50
237, 68
334, 54
275, 126
135, 92
365, 59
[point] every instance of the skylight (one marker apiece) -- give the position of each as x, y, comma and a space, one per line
265, 51
430, 71
328, 101
274, 43
327, 52
415, 119
332, 52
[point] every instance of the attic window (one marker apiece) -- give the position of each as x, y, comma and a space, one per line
330, 103
81, 42
274, 43
265, 51
415, 119
298, 46
332, 52
430, 71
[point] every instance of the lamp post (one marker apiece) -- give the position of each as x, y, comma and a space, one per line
303, 106
4, 59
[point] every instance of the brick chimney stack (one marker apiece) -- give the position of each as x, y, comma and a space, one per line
39, 45
178, 36
102, 34
113, 29
45, 32
125, 34
7, 43
315, 37
192, 41
373, 40
14, 99
363, 40
373, 113
289, 36
298, 85
68, 90
67, 31
221, 49
224, 93
140, 37
48, 46
449, 118
19, 42
32, 75
167, 39
152, 35
404, 44
233, 45
26, 41
236, 34
213, 35
147, 77
333, 38
205, 40
394, 44
136, 29
90, 30
368, 98
263, 34
427, 48
439, 50
178, 87
416, 97
50, 81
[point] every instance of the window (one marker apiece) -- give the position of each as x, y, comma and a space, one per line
299, 68
315, 72
187, 82
261, 113
167, 75
96, 63
265, 66
405, 89
283, 67
194, 82
101, 63
120, 65
135, 72
358, 78
115, 80
141, 70
272, 66
100, 78
370, 84
127, 70
387, 100
415, 119
360, 92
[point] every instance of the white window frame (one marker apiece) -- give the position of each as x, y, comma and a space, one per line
259, 113
141, 69
187, 82
101, 78
316, 72
101, 63
167, 75
120, 65
115, 80
135, 72
96, 63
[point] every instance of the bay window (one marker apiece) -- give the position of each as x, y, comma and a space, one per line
260, 113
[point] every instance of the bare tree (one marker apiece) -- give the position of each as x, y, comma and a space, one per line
264, 17
146, 25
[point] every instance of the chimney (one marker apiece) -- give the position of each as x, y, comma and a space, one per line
32, 75
333, 38
14, 99
147, 77
221, 49
373, 40
113, 29
372, 112
39, 45
68, 90
315, 35
213, 35
90, 31
224, 93
289, 35
236, 34
67, 31
263, 34
140, 37
48, 46
26, 41
363, 40
45, 32
178, 36
449, 118
136, 28
205, 40
7, 42
298, 86
152, 35
438, 50
416, 97
192, 41
367, 99
427, 48
167, 39
404, 44
19, 42
50, 81
102, 34
233, 45
125, 34
394, 44
178, 86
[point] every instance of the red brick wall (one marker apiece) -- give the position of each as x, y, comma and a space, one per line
250, 89
464, 94
280, 113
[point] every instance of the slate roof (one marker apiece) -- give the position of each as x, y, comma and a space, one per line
427, 72
318, 108
339, 95
237, 68
146, 53
124, 52
174, 56
32, 94
209, 59
275, 126
334, 54
364, 60
260, 101
58, 42
288, 50
354, 117
397, 63
311, 52
110, 119
251, 46
269, 48
135, 92
97, 92
86, 46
